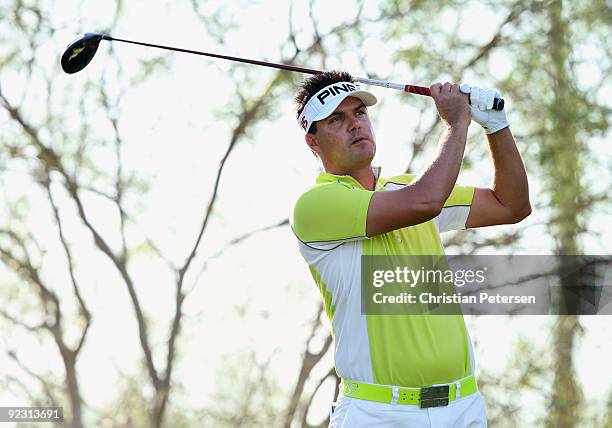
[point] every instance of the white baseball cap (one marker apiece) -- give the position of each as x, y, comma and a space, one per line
324, 103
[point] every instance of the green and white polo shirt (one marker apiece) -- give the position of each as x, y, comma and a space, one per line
405, 350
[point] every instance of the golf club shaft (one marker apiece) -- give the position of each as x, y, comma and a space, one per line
420, 90
413, 89
212, 55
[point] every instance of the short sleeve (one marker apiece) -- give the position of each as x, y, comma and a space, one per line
456, 209
330, 214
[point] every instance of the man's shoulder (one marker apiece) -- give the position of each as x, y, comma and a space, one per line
337, 207
321, 193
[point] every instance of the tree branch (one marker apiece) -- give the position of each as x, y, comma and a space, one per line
51, 161
309, 361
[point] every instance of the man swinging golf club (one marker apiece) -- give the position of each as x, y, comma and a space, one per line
396, 370
404, 370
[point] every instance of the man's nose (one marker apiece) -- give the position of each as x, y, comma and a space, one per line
354, 122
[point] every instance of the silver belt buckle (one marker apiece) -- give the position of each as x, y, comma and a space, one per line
434, 396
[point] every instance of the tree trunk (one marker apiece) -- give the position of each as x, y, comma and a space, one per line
159, 405
74, 393
564, 172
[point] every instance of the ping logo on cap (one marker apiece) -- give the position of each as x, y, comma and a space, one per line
335, 90
323, 103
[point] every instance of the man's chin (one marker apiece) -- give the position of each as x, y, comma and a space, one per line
365, 158
366, 148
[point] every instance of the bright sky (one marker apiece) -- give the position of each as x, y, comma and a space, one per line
176, 132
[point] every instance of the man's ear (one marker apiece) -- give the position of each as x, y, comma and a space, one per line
311, 141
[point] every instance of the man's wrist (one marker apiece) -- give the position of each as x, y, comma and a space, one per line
499, 129
502, 136
457, 127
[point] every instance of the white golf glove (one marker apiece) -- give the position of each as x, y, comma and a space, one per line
481, 104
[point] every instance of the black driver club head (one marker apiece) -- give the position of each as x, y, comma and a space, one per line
80, 52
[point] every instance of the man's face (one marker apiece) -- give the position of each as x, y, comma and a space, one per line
345, 140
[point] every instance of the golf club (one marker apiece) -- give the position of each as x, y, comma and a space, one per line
80, 52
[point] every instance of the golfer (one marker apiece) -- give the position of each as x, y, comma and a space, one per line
400, 370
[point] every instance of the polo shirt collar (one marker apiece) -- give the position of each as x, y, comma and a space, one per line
326, 177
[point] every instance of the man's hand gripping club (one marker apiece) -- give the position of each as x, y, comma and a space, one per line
451, 104
481, 104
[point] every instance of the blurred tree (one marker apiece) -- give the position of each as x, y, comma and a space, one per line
562, 121
247, 395
22, 252
298, 407
60, 159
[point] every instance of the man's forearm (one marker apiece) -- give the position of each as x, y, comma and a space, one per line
510, 184
441, 174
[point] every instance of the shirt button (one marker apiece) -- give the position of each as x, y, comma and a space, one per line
398, 239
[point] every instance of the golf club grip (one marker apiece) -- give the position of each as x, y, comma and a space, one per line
498, 103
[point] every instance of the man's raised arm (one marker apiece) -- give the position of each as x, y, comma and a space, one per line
508, 199
423, 199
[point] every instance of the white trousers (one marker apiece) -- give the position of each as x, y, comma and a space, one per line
466, 412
